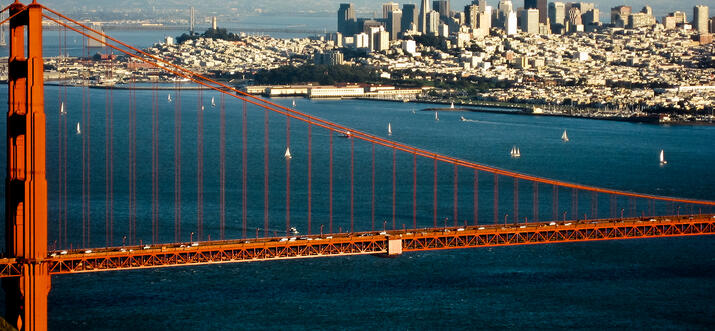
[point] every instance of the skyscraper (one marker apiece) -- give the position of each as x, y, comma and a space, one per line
422, 22
346, 19
471, 13
503, 9
388, 7
540, 5
700, 18
409, 16
619, 15
394, 23
442, 6
433, 22
530, 21
510, 23
557, 13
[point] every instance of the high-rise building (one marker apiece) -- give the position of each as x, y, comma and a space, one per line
471, 13
712, 25
679, 16
619, 15
346, 19
530, 21
485, 20
541, 6
557, 13
510, 23
422, 21
503, 9
433, 22
388, 7
394, 23
574, 17
590, 16
700, 18
409, 17
442, 6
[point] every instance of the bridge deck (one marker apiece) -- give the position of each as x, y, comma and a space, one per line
182, 254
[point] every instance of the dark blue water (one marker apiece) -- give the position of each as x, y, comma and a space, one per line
665, 283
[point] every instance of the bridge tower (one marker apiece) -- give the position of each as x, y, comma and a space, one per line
26, 183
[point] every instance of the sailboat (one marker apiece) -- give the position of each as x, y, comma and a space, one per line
461, 118
168, 97
347, 134
451, 106
62, 108
213, 103
436, 117
662, 158
202, 107
389, 129
287, 155
515, 152
293, 103
78, 130
564, 137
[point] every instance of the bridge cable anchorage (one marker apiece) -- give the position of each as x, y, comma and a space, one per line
204, 81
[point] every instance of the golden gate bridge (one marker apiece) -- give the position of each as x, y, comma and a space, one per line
31, 261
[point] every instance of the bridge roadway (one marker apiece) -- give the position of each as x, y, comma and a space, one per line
361, 243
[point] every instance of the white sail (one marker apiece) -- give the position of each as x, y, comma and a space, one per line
168, 97
515, 152
62, 108
518, 152
662, 157
213, 102
78, 130
202, 108
389, 129
451, 106
293, 103
287, 154
436, 117
564, 136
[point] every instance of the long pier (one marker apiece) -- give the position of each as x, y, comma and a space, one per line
392, 242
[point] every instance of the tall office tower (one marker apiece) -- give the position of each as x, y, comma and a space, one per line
510, 23
619, 15
557, 13
700, 18
485, 20
433, 22
471, 13
394, 23
409, 17
647, 10
530, 21
712, 25
422, 21
192, 21
583, 6
503, 9
482, 5
388, 7
346, 19
214, 23
541, 6
679, 16
442, 6
590, 16
574, 17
